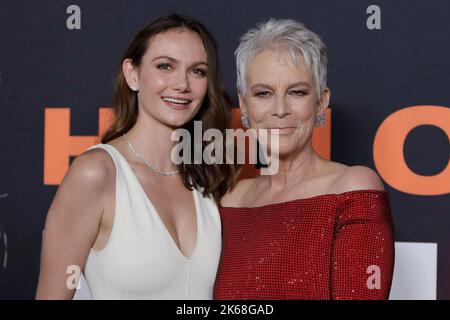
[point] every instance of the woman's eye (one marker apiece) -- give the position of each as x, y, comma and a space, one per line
164, 66
263, 94
298, 92
199, 72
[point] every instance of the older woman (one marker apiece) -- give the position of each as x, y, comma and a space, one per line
316, 229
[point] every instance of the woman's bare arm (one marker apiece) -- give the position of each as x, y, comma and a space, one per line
73, 222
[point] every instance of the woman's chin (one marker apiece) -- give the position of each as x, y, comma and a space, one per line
285, 150
177, 121
179, 118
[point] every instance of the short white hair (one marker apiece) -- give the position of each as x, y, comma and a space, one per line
283, 35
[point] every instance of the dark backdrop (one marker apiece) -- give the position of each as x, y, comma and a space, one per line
372, 73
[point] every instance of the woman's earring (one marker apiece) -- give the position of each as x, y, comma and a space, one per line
245, 122
134, 88
320, 120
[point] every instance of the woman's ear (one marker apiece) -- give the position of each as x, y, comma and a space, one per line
131, 75
324, 100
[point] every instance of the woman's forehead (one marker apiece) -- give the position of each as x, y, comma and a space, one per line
270, 64
177, 43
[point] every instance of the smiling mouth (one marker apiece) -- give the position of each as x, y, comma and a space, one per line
284, 130
177, 101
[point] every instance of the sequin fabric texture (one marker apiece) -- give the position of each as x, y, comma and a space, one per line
325, 247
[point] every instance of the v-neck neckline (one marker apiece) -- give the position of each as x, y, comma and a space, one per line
155, 212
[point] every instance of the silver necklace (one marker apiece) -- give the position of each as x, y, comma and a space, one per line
158, 171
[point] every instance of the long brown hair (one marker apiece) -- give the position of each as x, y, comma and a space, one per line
215, 179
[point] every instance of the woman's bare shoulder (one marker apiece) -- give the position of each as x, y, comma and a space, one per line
83, 192
94, 166
357, 178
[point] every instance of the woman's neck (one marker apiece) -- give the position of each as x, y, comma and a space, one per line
152, 141
293, 169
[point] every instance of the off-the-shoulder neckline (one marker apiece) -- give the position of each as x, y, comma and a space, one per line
347, 193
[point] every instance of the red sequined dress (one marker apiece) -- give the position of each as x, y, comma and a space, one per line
333, 246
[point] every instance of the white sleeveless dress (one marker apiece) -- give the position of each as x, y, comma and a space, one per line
141, 260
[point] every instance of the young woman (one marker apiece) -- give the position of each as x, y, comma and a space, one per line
139, 226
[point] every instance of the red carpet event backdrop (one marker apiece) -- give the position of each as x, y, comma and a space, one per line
389, 109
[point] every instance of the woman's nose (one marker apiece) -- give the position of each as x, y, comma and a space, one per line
281, 108
181, 82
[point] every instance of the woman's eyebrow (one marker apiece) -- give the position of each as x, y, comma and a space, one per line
199, 63
298, 84
295, 84
173, 60
166, 57
261, 85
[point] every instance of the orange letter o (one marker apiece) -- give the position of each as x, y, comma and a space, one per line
388, 150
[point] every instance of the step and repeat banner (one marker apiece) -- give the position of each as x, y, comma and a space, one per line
388, 74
